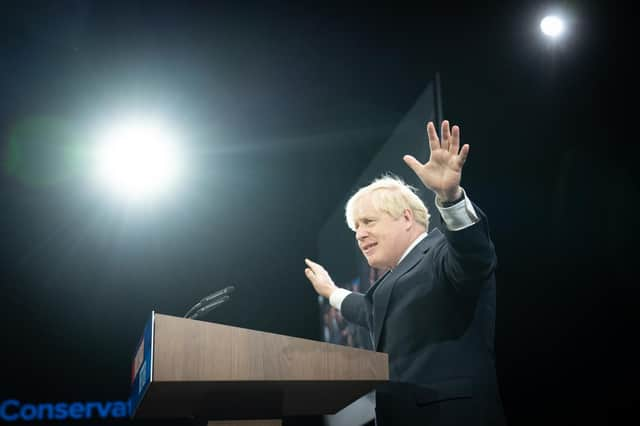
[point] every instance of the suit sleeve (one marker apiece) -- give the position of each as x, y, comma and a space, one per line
356, 308
469, 257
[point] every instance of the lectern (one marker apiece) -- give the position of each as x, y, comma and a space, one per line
185, 368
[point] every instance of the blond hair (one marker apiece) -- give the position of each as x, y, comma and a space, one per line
389, 194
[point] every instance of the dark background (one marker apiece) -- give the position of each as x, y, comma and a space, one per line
284, 105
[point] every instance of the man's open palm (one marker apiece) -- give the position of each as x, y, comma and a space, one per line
443, 172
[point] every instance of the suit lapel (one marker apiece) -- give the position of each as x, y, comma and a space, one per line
384, 287
375, 285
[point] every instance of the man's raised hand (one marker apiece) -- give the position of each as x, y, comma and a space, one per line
443, 172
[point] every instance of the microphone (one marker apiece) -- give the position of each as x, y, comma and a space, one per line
219, 293
211, 306
225, 292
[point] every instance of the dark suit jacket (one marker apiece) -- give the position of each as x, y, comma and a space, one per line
434, 314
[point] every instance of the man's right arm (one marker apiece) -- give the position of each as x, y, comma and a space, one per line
355, 308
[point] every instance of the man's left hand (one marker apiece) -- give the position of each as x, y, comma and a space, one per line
443, 172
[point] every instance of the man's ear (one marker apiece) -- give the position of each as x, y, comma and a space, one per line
407, 216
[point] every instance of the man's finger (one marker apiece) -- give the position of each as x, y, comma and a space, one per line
464, 153
413, 163
434, 143
310, 275
454, 144
315, 267
445, 135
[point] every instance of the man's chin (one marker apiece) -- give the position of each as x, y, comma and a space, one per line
372, 263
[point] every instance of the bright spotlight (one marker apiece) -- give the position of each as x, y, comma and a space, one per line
138, 160
552, 26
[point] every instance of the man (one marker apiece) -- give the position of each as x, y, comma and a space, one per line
433, 312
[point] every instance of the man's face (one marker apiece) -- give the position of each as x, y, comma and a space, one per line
381, 238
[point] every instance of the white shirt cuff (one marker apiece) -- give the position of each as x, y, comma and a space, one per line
337, 297
459, 216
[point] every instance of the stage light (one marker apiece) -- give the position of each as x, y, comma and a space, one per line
138, 160
552, 26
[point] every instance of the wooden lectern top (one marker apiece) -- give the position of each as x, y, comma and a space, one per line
207, 370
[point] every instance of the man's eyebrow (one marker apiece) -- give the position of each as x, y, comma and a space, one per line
369, 217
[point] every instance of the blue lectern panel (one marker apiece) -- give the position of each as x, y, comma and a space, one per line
142, 366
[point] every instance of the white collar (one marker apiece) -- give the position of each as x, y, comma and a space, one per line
413, 244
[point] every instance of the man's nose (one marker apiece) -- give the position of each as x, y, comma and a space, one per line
361, 234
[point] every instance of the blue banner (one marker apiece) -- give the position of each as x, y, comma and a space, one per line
12, 410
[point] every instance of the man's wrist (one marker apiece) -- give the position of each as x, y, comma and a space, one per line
459, 215
328, 296
450, 201
337, 296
